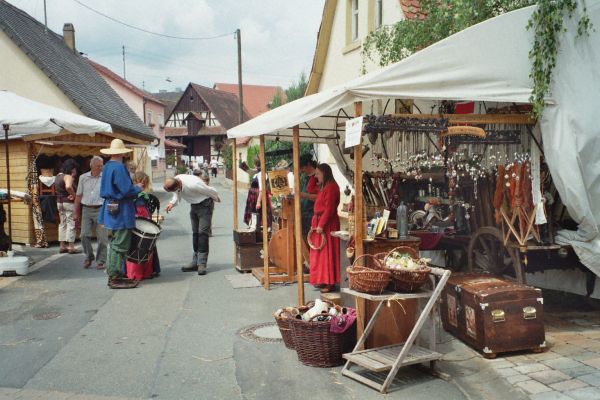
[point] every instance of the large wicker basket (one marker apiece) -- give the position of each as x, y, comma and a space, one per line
285, 325
316, 346
407, 280
372, 280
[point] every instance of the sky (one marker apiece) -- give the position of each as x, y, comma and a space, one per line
278, 38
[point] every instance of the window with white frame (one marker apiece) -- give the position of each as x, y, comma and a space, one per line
378, 13
354, 20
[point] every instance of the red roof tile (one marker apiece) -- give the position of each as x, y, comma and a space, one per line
173, 144
140, 92
411, 9
256, 97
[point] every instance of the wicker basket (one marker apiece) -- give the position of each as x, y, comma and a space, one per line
407, 280
372, 280
316, 346
285, 327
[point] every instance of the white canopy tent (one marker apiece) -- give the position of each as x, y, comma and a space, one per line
27, 117
490, 62
21, 117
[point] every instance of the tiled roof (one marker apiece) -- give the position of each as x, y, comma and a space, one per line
225, 106
411, 9
70, 72
112, 75
179, 131
169, 99
256, 97
174, 144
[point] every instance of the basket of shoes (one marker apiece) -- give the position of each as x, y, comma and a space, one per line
368, 279
283, 318
408, 271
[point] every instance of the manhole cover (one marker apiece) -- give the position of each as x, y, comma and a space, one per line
45, 316
267, 332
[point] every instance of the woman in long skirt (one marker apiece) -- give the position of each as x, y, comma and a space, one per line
325, 263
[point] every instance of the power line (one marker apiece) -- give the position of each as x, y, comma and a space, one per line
150, 32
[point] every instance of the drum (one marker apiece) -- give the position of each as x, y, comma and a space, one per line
143, 240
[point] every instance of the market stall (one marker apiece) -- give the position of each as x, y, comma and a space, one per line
487, 180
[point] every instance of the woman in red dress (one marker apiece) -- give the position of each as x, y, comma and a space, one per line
325, 263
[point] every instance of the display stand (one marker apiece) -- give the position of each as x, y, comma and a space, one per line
391, 358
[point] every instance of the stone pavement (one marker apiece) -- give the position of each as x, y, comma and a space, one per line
570, 369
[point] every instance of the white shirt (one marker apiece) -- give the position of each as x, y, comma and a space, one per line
89, 189
193, 190
214, 164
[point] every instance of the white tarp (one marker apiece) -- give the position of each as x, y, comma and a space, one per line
28, 117
490, 62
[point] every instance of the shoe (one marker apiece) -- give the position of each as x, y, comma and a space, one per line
99, 266
87, 264
327, 288
190, 268
62, 251
74, 251
202, 269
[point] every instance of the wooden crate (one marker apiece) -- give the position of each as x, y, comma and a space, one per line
248, 256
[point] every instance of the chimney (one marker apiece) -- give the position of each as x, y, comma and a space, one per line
69, 36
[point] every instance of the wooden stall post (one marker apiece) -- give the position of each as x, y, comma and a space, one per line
297, 215
264, 211
235, 191
359, 227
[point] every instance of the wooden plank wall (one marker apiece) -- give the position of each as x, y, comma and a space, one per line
22, 224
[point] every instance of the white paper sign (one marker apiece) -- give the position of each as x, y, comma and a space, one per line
353, 131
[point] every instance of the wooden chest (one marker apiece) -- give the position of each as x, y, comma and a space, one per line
248, 256
247, 237
493, 314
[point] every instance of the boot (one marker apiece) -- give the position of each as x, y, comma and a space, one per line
202, 258
192, 266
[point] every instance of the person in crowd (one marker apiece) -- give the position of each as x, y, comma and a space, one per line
66, 186
150, 268
214, 165
118, 211
201, 198
325, 262
309, 189
34, 183
206, 179
87, 210
258, 205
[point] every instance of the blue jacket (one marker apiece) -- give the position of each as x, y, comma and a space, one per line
116, 185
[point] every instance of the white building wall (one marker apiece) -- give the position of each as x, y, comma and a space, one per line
344, 60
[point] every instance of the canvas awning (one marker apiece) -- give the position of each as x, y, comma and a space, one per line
490, 62
28, 117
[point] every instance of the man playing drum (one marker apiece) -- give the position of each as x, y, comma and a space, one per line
117, 212
201, 197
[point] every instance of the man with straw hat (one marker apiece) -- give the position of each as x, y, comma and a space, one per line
118, 212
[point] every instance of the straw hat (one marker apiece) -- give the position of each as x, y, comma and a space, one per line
116, 147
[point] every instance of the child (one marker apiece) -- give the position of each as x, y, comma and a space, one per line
150, 268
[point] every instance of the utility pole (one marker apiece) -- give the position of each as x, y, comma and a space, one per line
45, 18
238, 35
124, 63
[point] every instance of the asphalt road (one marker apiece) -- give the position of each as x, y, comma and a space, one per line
175, 337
